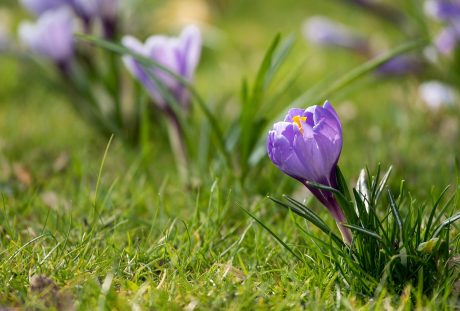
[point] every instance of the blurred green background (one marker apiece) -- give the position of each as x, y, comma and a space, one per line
384, 119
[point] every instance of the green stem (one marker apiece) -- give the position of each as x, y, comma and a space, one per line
176, 140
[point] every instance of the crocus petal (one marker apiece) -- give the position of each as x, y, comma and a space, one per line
87, 9
163, 50
51, 36
178, 54
446, 41
314, 167
292, 113
190, 46
327, 105
139, 71
280, 151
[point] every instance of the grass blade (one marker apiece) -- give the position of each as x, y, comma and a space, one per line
433, 210
382, 183
363, 230
277, 238
397, 215
446, 223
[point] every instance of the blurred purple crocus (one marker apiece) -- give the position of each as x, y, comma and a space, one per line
449, 38
442, 10
400, 65
325, 32
178, 54
447, 11
51, 36
307, 147
39, 7
107, 11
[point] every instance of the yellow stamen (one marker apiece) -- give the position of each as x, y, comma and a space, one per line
297, 120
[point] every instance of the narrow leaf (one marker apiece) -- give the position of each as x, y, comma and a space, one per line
382, 183
446, 223
433, 210
363, 230
396, 214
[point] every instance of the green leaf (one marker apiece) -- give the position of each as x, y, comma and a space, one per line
396, 214
363, 230
382, 183
355, 74
433, 210
446, 223
362, 190
342, 184
251, 124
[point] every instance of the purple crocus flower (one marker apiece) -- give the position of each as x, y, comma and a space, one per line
38, 7
180, 55
107, 11
443, 10
325, 32
90, 9
448, 39
400, 65
307, 146
447, 11
51, 36
86, 10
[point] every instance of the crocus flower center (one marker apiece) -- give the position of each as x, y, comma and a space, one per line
298, 121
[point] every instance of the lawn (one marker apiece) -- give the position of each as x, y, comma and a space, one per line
91, 220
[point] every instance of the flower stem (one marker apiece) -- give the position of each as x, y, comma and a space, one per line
177, 143
340, 219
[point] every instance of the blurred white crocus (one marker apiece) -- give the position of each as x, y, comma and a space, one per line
325, 32
51, 36
436, 94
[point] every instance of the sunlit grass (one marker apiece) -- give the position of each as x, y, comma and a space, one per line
147, 240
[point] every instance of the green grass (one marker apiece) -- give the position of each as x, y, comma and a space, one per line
129, 234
